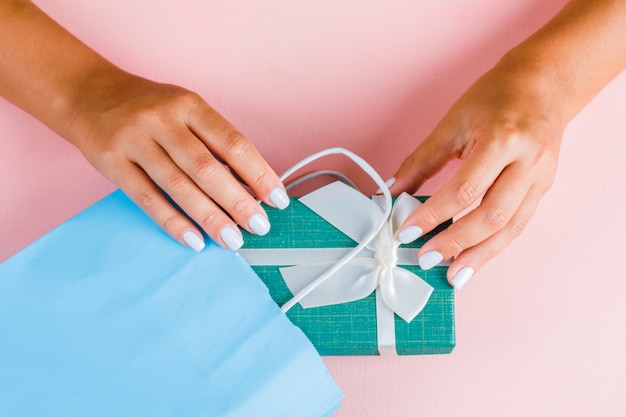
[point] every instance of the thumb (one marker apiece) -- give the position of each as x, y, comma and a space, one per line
428, 159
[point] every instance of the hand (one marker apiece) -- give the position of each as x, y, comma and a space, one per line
147, 137
507, 128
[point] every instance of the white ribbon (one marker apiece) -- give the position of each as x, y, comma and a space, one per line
371, 265
353, 214
375, 268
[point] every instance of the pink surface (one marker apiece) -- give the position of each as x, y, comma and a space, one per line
541, 330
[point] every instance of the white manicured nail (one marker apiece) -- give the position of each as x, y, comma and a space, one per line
194, 241
231, 237
409, 234
279, 198
391, 181
462, 277
430, 260
259, 224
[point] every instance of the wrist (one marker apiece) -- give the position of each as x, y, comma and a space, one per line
88, 97
553, 75
574, 55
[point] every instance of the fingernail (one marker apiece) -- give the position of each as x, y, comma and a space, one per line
259, 224
194, 241
462, 277
391, 181
279, 198
430, 259
229, 235
409, 234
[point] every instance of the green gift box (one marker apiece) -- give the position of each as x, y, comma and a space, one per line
351, 328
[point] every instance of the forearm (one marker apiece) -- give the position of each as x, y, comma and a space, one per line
574, 55
43, 68
145, 136
508, 127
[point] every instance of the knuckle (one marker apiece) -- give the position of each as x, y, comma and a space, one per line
151, 114
482, 257
261, 178
169, 224
429, 218
496, 218
110, 150
109, 156
236, 144
455, 245
240, 206
119, 136
206, 167
145, 200
186, 96
210, 218
186, 99
465, 194
543, 157
518, 227
509, 136
540, 155
178, 182
543, 165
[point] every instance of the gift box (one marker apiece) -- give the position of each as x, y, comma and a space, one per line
349, 328
108, 316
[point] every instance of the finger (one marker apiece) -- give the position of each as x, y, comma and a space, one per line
139, 188
193, 201
231, 145
471, 181
497, 208
426, 161
474, 258
215, 180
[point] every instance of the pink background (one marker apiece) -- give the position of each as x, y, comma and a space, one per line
541, 329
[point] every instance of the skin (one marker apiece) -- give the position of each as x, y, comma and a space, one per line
140, 134
145, 135
508, 128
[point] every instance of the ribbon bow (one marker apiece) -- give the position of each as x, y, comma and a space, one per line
324, 276
353, 214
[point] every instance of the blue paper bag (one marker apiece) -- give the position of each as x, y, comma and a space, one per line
108, 316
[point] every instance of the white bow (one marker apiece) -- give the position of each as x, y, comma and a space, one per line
353, 214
